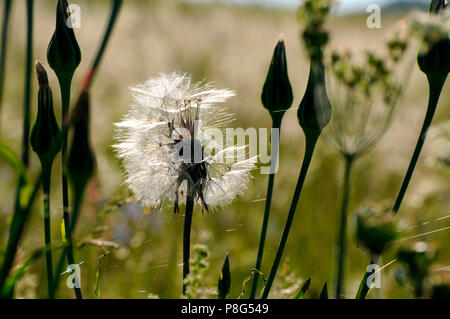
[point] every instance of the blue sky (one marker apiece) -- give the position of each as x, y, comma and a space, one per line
346, 6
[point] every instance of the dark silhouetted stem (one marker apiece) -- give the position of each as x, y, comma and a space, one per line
309, 151
276, 124
27, 90
342, 239
4, 41
46, 181
435, 92
187, 234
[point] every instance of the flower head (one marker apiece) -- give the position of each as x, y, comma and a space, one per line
168, 143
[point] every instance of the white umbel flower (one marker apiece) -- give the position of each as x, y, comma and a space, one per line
157, 135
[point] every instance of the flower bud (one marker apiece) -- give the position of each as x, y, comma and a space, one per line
63, 52
417, 259
277, 94
375, 230
81, 162
46, 136
314, 112
437, 6
435, 62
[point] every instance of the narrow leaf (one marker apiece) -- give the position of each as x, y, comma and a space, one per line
224, 279
324, 292
303, 290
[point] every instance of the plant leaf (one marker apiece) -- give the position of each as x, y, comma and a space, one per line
224, 279
303, 290
324, 292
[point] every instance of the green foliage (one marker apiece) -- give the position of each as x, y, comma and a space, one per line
314, 14
303, 290
375, 229
417, 260
324, 292
198, 266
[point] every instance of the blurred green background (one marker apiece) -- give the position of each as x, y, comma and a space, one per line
230, 46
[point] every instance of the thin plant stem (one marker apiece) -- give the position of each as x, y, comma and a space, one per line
46, 182
435, 92
276, 124
65, 84
3, 45
27, 93
187, 234
342, 238
311, 141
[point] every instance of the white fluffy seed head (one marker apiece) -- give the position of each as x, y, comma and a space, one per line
162, 119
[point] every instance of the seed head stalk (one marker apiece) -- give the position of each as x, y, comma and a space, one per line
187, 233
276, 124
311, 141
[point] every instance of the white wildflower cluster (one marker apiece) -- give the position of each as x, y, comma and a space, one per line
167, 152
430, 28
440, 146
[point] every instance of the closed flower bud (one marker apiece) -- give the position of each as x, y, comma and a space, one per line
81, 162
314, 112
437, 6
435, 62
46, 136
63, 53
277, 94
375, 230
433, 30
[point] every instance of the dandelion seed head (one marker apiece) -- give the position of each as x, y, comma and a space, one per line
162, 145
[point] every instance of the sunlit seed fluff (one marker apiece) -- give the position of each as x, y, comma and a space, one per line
158, 123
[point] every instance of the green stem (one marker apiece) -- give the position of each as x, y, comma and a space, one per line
187, 234
309, 151
341, 243
18, 222
65, 84
435, 91
46, 181
27, 93
276, 124
4, 41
